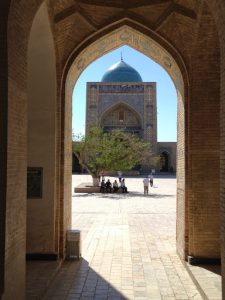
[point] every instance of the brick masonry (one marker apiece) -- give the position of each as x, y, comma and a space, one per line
218, 10
4, 8
197, 45
203, 142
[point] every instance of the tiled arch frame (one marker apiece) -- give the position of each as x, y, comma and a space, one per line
133, 35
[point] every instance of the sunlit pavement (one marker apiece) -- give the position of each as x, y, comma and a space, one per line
128, 246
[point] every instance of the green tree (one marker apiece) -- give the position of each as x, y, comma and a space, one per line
100, 151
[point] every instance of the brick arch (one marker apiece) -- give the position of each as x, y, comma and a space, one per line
126, 35
127, 32
19, 24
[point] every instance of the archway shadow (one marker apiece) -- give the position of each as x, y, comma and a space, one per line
208, 279
77, 280
39, 275
122, 195
216, 269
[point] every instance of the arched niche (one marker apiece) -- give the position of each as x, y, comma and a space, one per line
121, 116
42, 132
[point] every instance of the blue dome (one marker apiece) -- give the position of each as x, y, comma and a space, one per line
121, 72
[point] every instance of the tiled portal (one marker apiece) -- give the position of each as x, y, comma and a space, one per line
128, 246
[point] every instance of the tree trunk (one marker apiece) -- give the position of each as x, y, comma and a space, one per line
95, 181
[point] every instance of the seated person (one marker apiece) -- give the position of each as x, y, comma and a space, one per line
102, 186
115, 186
123, 186
108, 186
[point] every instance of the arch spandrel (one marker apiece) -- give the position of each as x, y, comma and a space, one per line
125, 35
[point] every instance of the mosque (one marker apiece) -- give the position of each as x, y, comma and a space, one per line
45, 46
123, 101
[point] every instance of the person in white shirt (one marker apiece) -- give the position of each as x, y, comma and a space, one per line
146, 185
123, 186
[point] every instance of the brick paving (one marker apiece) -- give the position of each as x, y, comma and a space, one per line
208, 280
39, 275
128, 247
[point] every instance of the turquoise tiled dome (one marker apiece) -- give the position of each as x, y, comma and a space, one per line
121, 72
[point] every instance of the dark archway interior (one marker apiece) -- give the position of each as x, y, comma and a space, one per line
164, 162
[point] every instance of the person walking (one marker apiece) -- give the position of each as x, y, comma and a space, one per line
102, 186
151, 179
146, 185
120, 176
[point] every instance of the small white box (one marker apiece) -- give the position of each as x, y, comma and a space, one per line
73, 244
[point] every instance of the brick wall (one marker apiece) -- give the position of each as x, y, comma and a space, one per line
203, 156
218, 10
21, 15
4, 8
221, 13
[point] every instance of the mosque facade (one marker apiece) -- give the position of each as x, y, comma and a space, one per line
123, 101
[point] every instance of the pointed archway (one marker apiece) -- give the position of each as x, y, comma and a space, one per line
125, 34
121, 116
18, 26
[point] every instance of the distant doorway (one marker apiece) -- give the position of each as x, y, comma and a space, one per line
164, 162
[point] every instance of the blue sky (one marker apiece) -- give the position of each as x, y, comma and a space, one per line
149, 71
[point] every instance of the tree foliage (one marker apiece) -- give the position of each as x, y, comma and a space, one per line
110, 151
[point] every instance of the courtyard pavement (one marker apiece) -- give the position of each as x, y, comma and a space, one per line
128, 246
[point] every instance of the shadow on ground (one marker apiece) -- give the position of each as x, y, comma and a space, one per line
216, 269
119, 196
39, 275
77, 280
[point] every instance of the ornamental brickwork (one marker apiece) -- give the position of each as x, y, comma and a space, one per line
129, 106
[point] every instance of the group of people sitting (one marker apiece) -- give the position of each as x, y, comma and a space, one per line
108, 187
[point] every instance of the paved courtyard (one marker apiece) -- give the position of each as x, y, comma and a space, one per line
128, 246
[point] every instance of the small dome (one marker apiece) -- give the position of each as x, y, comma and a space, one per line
121, 72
